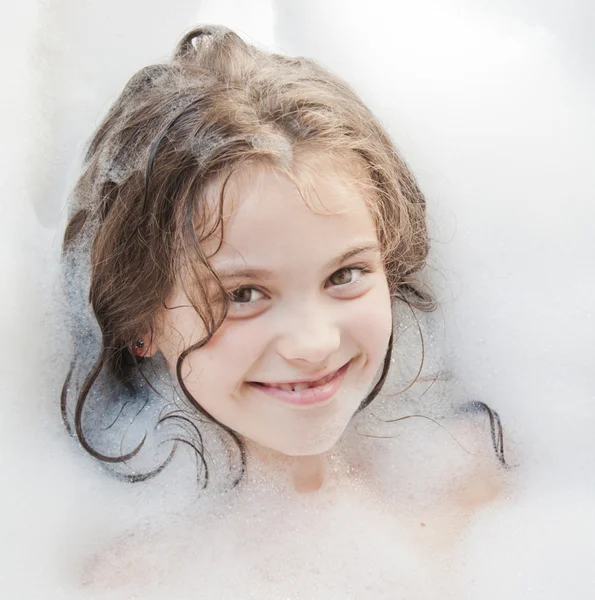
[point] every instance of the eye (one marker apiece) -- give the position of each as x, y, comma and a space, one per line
350, 281
243, 295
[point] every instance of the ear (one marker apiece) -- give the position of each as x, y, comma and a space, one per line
146, 346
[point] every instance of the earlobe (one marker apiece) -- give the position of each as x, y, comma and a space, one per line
145, 347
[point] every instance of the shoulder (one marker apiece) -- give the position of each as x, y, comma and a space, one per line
486, 472
127, 561
112, 565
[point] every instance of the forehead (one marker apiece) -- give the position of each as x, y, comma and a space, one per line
322, 203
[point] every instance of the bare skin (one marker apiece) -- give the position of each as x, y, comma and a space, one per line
329, 488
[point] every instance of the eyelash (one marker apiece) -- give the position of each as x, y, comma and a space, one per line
362, 269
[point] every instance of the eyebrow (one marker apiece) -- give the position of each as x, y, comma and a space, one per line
264, 274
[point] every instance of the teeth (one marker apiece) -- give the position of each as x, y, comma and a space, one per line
298, 387
295, 387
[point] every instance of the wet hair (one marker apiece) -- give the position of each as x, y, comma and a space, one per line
138, 215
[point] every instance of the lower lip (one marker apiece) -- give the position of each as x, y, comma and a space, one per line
310, 396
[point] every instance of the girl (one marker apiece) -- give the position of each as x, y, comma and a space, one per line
247, 231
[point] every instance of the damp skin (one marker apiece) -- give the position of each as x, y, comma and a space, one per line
309, 316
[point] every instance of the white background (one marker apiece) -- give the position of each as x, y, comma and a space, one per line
493, 106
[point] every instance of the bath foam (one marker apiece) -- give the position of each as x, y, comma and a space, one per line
530, 267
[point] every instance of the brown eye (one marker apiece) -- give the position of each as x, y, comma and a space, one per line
344, 276
348, 281
242, 295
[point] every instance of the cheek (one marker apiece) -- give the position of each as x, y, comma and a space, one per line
372, 322
179, 330
225, 360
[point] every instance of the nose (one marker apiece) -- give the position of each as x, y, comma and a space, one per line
310, 334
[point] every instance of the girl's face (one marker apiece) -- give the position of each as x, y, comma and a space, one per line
309, 296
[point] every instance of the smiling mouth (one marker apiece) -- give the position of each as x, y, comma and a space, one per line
296, 387
306, 393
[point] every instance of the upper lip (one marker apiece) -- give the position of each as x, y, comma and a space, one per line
302, 380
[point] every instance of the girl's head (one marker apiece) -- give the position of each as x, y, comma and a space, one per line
247, 220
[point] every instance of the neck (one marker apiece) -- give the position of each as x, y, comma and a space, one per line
303, 474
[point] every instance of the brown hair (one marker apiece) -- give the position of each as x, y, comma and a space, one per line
138, 216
